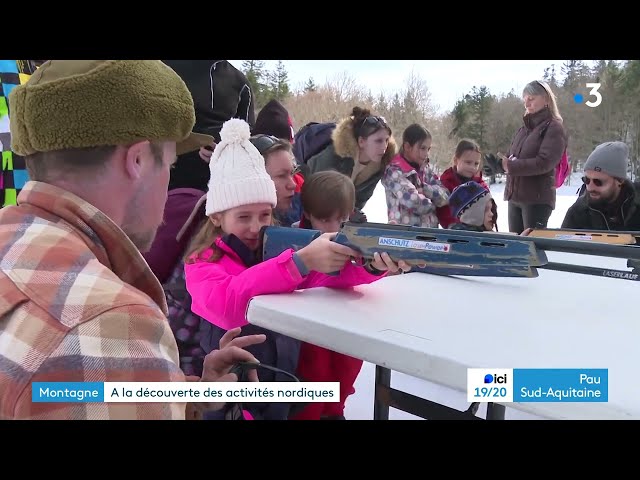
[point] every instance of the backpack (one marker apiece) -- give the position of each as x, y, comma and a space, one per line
564, 168
311, 140
181, 222
195, 337
184, 324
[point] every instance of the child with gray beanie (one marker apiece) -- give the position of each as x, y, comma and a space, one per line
474, 206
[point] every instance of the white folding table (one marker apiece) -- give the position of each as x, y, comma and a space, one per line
435, 327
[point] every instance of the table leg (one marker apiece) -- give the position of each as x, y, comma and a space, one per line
381, 403
495, 411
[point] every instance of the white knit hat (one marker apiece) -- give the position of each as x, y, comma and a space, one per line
238, 174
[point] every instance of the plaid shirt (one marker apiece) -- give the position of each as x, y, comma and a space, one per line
77, 303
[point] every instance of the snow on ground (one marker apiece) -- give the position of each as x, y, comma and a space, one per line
360, 405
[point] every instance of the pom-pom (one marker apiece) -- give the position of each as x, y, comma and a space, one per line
235, 131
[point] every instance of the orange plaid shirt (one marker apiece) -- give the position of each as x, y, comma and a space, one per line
77, 303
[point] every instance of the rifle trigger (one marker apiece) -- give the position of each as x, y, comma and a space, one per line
359, 261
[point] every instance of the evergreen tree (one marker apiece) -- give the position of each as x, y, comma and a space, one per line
310, 86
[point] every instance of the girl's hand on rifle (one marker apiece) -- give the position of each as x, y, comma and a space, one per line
382, 262
324, 255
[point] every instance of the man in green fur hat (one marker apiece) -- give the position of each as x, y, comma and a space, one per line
77, 300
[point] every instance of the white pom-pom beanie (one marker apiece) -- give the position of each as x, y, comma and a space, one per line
238, 174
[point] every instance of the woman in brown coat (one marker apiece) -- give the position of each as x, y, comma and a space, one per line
532, 159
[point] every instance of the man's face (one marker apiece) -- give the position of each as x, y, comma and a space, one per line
602, 189
145, 212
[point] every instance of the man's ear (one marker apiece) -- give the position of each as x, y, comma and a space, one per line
133, 160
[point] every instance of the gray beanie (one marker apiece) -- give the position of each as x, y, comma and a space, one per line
611, 158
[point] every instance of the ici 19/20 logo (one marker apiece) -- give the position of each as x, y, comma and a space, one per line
488, 378
578, 98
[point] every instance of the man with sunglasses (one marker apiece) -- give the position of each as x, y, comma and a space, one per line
610, 201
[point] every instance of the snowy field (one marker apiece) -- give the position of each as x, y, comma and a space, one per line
360, 405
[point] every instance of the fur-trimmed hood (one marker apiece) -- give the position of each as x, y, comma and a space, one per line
346, 144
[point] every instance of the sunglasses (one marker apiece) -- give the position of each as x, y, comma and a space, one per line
264, 142
596, 181
374, 121
234, 411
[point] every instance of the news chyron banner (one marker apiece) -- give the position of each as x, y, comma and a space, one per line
163, 392
523, 385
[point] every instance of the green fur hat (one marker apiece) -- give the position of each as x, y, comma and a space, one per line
89, 103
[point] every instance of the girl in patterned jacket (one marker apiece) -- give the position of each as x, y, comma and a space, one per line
413, 191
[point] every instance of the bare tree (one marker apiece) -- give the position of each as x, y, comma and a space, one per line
616, 118
504, 121
443, 146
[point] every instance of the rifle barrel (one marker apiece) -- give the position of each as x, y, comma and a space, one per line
587, 248
602, 232
597, 271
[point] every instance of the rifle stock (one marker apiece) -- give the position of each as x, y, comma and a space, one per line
416, 246
275, 240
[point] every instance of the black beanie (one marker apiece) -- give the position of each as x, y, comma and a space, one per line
274, 120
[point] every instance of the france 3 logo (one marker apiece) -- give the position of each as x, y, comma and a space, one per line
490, 385
593, 92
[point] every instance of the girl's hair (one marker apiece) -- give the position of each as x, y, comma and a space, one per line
413, 134
465, 145
205, 238
207, 232
494, 210
326, 193
365, 124
538, 87
268, 144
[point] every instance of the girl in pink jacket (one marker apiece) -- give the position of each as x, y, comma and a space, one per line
221, 268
